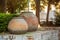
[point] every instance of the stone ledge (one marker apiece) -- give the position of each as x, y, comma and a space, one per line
37, 35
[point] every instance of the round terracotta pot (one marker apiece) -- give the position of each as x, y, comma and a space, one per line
17, 25
31, 19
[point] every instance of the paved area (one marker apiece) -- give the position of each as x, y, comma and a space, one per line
37, 35
51, 28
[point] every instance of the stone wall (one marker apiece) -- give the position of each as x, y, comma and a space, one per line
38, 35
52, 28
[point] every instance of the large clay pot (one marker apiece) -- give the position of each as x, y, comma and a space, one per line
17, 25
31, 19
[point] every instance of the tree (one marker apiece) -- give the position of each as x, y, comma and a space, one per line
37, 2
2, 6
49, 3
12, 5
47, 17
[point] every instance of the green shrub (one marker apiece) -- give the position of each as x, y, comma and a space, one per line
57, 23
4, 20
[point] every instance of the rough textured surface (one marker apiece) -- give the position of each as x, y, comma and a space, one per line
52, 28
17, 25
31, 20
38, 35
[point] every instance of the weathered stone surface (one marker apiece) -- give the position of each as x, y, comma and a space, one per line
31, 19
37, 35
18, 25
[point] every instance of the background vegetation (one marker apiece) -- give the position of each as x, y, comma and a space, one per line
57, 20
4, 20
14, 6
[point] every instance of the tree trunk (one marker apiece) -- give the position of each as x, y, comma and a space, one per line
5, 6
47, 17
37, 2
2, 6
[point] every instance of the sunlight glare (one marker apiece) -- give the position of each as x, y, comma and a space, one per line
53, 7
45, 9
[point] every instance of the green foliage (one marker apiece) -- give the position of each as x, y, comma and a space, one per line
57, 19
12, 5
4, 20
